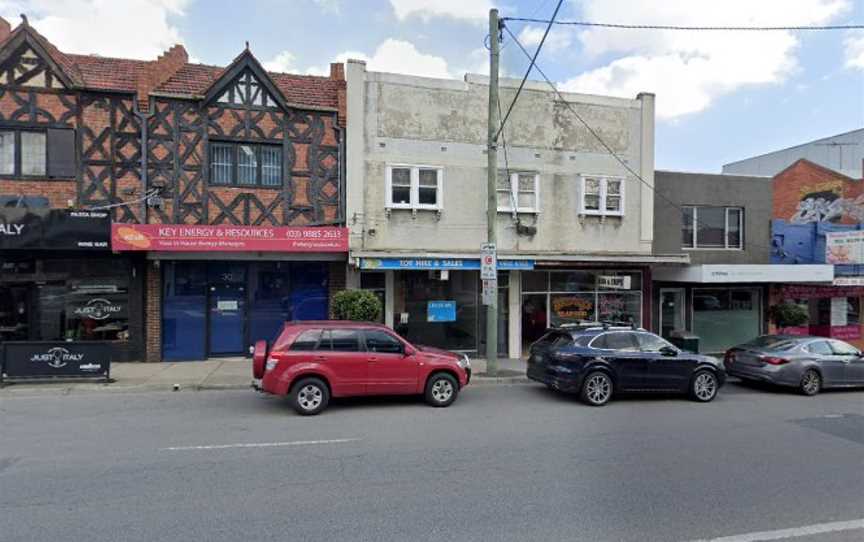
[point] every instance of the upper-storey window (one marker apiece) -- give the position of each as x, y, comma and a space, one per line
712, 227
37, 153
414, 187
519, 191
601, 196
245, 164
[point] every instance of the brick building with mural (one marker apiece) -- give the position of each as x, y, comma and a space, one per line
811, 204
224, 186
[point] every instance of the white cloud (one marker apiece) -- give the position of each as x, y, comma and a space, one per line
559, 38
395, 56
854, 43
282, 62
129, 29
471, 10
689, 70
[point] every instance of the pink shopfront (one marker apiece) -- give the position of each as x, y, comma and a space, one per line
835, 311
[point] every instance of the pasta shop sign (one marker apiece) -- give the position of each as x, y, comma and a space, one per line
226, 238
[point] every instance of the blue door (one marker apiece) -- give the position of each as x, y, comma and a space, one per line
227, 307
184, 306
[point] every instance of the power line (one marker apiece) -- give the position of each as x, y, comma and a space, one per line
609, 149
689, 28
528, 71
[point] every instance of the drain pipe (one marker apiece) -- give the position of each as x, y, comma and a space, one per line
144, 117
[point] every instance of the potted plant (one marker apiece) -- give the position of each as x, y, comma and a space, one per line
786, 314
356, 305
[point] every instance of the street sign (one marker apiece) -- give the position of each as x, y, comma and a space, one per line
488, 262
490, 291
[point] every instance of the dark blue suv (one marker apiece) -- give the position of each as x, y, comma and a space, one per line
597, 361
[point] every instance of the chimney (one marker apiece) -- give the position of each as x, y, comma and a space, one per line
5, 29
337, 71
159, 71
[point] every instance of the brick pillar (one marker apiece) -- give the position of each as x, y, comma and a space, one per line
336, 283
153, 313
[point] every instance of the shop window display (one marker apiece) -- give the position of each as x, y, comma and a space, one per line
555, 298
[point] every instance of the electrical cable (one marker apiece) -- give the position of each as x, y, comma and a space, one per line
612, 153
151, 193
689, 28
527, 72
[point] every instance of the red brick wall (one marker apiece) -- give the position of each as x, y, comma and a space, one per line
802, 179
153, 313
59, 193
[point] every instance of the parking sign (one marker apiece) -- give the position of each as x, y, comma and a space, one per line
488, 262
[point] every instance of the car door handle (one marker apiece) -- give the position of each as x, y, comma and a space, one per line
320, 358
373, 359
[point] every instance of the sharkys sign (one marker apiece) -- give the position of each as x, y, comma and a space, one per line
227, 238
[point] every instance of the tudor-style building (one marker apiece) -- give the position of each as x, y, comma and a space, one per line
237, 152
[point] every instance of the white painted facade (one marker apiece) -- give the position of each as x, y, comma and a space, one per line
417, 125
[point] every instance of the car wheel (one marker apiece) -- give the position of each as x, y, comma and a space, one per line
310, 396
441, 390
704, 386
811, 382
597, 389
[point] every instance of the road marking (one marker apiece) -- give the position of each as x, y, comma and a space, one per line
807, 530
258, 445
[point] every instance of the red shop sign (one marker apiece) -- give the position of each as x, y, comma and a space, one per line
227, 238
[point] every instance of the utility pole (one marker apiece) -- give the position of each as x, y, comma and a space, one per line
491, 196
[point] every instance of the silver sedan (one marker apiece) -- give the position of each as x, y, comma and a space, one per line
807, 363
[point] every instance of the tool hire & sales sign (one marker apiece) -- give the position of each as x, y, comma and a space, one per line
227, 238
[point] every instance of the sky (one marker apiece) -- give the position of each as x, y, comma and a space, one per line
721, 97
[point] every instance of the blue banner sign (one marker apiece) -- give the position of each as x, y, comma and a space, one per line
441, 311
441, 263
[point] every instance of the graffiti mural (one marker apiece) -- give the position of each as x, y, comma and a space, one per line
807, 193
826, 203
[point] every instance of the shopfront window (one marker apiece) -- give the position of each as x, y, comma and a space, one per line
62, 304
452, 322
555, 298
219, 308
375, 282
724, 317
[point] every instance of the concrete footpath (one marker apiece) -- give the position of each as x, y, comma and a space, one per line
213, 374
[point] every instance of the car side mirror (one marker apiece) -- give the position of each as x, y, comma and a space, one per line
668, 351
408, 351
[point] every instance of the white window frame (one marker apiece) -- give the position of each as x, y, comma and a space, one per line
695, 221
415, 188
602, 211
514, 194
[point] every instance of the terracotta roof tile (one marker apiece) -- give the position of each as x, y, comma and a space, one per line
300, 90
105, 73
191, 80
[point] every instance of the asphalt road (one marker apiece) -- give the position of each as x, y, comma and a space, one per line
503, 463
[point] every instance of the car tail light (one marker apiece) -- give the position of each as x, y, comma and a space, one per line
271, 364
729, 357
771, 360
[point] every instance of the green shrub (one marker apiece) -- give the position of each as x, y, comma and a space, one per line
788, 315
356, 305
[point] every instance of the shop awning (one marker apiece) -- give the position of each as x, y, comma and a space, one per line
522, 260
744, 273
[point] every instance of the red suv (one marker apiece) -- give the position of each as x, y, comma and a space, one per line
313, 361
